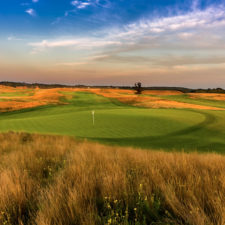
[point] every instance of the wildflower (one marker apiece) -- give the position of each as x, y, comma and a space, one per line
167, 213
109, 221
115, 201
152, 198
135, 209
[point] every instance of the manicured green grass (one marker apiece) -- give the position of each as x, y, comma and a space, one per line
117, 123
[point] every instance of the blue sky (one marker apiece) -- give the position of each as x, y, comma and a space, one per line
163, 42
49, 17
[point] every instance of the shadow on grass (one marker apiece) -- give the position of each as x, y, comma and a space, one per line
194, 138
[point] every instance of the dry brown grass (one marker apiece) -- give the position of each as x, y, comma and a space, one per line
40, 97
210, 96
128, 97
162, 92
49, 180
170, 104
36, 97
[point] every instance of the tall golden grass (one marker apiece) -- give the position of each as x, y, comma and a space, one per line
39, 97
53, 180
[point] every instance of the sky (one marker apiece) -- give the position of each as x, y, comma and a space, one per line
113, 42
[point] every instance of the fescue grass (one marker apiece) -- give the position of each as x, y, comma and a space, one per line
55, 180
198, 101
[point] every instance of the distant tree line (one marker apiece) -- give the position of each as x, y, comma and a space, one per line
210, 90
138, 87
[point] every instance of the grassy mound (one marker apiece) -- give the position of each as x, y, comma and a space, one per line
55, 180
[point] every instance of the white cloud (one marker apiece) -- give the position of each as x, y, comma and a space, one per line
75, 43
31, 12
183, 26
13, 38
184, 33
195, 20
81, 4
35, 1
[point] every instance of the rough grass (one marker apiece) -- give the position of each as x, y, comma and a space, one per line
12, 99
210, 100
54, 180
156, 99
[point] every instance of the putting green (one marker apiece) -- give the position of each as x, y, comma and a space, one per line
117, 123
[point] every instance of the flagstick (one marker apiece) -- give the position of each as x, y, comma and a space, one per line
93, 117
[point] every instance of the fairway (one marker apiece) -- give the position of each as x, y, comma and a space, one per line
122, 124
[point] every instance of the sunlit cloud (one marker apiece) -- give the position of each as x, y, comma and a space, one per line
208, 19
103, 39
85, 43
71, 64
31, 12
175, 38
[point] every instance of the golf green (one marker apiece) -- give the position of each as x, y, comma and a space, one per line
121, 124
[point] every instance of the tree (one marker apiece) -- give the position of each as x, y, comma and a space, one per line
138, 88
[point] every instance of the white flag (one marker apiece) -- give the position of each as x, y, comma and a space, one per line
93, 117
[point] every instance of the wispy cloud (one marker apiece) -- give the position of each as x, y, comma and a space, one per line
13, 38
81, 4
35, 1
84, 43
208, 19
31, 12
71, 64
175, 37
163, 61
